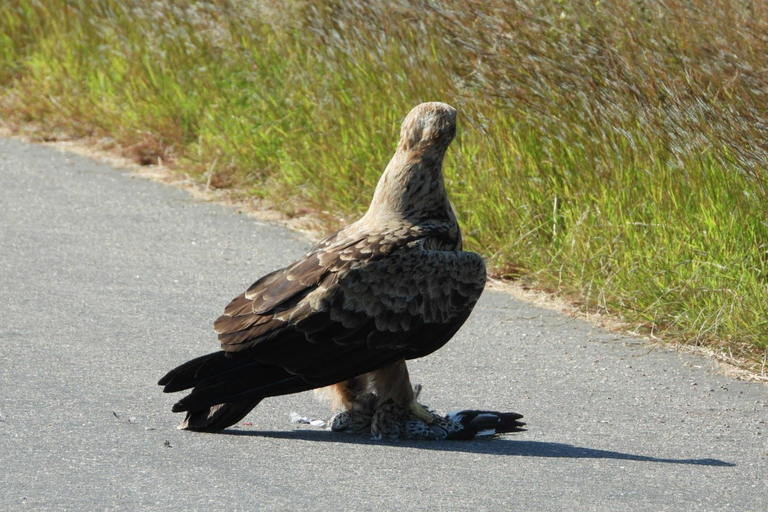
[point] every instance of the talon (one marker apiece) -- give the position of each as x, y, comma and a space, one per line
420, 412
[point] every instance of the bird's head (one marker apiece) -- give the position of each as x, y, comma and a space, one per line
428, 129
412, 184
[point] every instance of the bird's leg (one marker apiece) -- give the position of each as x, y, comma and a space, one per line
419, 410
343, 394
393, 383
354, 403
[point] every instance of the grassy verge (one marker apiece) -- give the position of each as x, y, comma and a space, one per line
613, 152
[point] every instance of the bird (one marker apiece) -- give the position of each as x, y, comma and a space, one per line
345, 317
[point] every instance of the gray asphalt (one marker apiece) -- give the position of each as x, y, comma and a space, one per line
107, 281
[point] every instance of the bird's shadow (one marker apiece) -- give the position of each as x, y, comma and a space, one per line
493, 446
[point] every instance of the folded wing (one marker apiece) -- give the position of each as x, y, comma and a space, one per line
326, 319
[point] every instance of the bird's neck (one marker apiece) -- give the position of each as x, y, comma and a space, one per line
411, 190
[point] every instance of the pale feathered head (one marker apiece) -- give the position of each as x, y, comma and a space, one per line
429, 127
412, 184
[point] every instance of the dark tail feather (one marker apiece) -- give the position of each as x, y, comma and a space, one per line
218, 417
191, 373
226, 388
253, 387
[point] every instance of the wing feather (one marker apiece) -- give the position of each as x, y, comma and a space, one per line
358, 317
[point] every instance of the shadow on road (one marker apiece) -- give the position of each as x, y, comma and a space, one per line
497, 446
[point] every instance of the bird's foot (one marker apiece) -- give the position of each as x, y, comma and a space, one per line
421, 412
370, 415
392, 420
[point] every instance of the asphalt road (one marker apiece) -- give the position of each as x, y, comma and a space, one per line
107, 281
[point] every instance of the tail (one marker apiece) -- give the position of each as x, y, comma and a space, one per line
225, 389
217, 417
484, 424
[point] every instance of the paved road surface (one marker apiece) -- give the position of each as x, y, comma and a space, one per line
107, 281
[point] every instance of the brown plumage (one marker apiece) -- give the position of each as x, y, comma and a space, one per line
393, 286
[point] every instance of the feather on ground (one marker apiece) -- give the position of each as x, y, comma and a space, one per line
393, 286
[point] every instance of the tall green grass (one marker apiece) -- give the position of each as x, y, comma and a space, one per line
614, 152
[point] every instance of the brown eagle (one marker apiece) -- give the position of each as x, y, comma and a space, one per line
393, 286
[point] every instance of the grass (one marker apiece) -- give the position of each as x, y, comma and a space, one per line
612, 152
